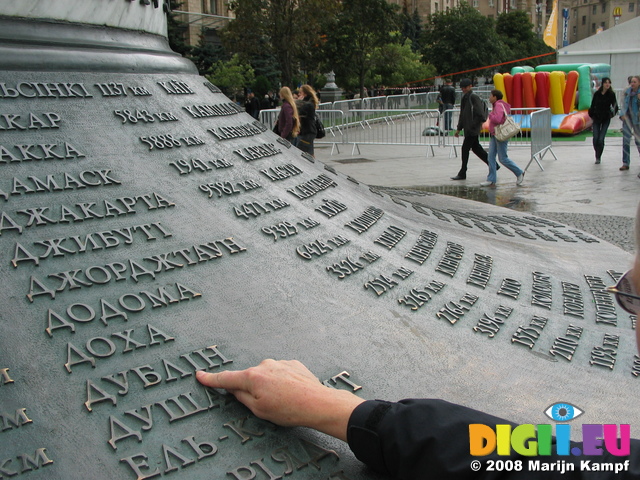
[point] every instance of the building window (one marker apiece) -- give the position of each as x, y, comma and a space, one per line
631, 7
513, 3
437, 8
604, 8
584, 20
491, 3
593, 28
594, 10
475, 3
575, 30
602, 25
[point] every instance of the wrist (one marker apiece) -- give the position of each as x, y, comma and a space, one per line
331, 412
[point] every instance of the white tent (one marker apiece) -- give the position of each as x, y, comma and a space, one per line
619, 47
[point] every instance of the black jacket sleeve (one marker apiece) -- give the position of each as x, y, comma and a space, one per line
429, 439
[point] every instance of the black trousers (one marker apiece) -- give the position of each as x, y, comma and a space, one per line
471, 143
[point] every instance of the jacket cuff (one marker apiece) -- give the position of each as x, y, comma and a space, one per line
362, 433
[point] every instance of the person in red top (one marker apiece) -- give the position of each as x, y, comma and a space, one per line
498, 115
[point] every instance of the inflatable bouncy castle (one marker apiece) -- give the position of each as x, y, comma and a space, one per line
565, 89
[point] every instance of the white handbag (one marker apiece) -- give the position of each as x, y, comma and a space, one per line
509, 128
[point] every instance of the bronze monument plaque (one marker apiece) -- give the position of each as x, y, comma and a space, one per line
150, 228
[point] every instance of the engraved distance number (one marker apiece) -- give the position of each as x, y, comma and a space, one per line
254, 209
135, 116
344, 268
219, 188
161, 141
169, 141
280, 230
185, 167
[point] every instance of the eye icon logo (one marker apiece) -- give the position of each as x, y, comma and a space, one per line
563, 412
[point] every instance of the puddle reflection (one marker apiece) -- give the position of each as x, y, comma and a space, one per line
506, 197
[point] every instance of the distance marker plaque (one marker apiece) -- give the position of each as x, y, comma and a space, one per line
150, 228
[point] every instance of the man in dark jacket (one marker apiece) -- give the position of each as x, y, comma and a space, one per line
252, 105
448, 99
472, 115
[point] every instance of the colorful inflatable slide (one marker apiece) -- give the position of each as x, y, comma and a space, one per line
565, 89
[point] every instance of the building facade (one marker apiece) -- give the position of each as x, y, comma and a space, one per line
590, 17
200, 20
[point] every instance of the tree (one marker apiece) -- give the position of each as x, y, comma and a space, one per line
231, 76
175, 30
288, 30
516, 30
411, 28
462, 39
206, 56
359, 28
396, 64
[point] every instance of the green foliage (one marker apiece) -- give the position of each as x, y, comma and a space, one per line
516, 30
206, 55
396, 64
360, 27
261, 86
287, 30
231, 76
175, 31
411, 28
462, 39
318, 82
366, 42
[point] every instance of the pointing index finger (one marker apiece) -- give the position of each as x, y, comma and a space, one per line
229, 379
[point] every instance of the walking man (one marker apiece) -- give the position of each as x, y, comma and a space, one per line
448, 99
473, 112
630, 116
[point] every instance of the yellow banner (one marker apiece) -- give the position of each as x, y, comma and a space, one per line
551, 32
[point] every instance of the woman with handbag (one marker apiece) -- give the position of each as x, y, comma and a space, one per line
498, 116
604, 107
288, 124
307, 104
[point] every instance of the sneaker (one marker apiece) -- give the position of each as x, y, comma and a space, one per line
487, 184
458, 177
624, 167
520, 179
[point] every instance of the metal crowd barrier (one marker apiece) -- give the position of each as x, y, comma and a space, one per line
385, 127
535, 132
371, 121
268, 117
540, 136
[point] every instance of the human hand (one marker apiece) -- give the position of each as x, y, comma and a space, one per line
457, 134
286, 393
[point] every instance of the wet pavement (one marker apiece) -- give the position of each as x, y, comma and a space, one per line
599, 199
